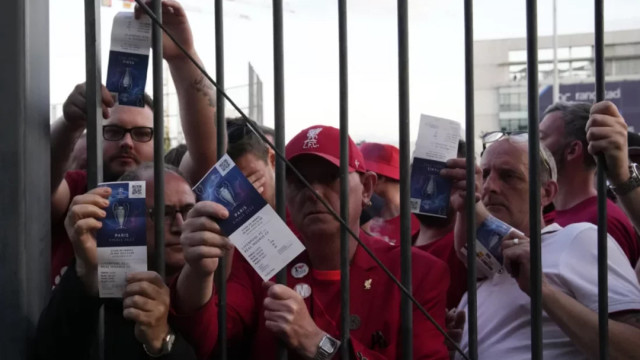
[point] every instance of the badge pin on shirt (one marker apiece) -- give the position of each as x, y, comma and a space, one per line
299, 270
304, 290
367, 284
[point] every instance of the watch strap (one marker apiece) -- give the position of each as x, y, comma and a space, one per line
632, 183
167, 345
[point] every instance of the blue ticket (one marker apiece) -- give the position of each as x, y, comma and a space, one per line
129, 59
430, 192
253, 226
122, 240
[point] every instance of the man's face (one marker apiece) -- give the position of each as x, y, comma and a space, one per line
505, 190
126, 154
552, 136
254, 167
177, 195
307, 213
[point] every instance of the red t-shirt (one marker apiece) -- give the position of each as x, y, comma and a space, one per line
374, 306
389, 230
443, 249
618, 225
61, 249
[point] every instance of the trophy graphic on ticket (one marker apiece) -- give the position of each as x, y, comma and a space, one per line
120, 211
225, 193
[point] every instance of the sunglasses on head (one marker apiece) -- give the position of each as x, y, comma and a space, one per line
516, 136
493, 136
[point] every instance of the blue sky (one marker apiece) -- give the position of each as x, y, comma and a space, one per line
311, 52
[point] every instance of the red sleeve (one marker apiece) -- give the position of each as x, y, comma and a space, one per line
431, 292
624, 238
201, 327
77, 181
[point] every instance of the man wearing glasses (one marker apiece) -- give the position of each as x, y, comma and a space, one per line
569, 254
136, 327
128, 132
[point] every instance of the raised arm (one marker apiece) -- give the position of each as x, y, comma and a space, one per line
65, 132
607, 134
196, 96
203, 244
456, 172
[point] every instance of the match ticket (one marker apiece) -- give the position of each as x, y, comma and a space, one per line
122, 240
129, 58
489, 236
253, 227
437, 142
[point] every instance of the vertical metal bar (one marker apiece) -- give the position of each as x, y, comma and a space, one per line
221, 134
25, 227
534, 184
158, 140
472, 298
278, 97
93, 93
259, 118
406, 306
344, 178
252, 93
603, 300
93, 97
556, 81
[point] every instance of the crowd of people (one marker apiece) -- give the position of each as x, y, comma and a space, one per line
176, 317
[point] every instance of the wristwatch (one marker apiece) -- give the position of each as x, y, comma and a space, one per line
327, 347
167, 345
632, 183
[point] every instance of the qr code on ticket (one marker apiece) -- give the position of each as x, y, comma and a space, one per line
224, 165
136, 190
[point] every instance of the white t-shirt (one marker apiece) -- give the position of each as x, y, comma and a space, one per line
570, 263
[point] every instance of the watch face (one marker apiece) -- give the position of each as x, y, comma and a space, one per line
328, 344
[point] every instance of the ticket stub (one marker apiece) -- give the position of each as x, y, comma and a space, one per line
122, 240
253, 227
437, 142
129, 58
489, 236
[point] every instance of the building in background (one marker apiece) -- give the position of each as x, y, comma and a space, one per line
501, 77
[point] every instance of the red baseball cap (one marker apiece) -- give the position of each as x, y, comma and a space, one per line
324, 141
383, 159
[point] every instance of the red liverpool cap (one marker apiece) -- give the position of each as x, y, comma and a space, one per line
324, 141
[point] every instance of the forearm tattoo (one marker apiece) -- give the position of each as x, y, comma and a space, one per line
206, 89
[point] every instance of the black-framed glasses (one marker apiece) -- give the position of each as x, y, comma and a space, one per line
517, 136
117, 133
170, 212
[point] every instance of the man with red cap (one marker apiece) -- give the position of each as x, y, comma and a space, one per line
304, 315
384, 160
